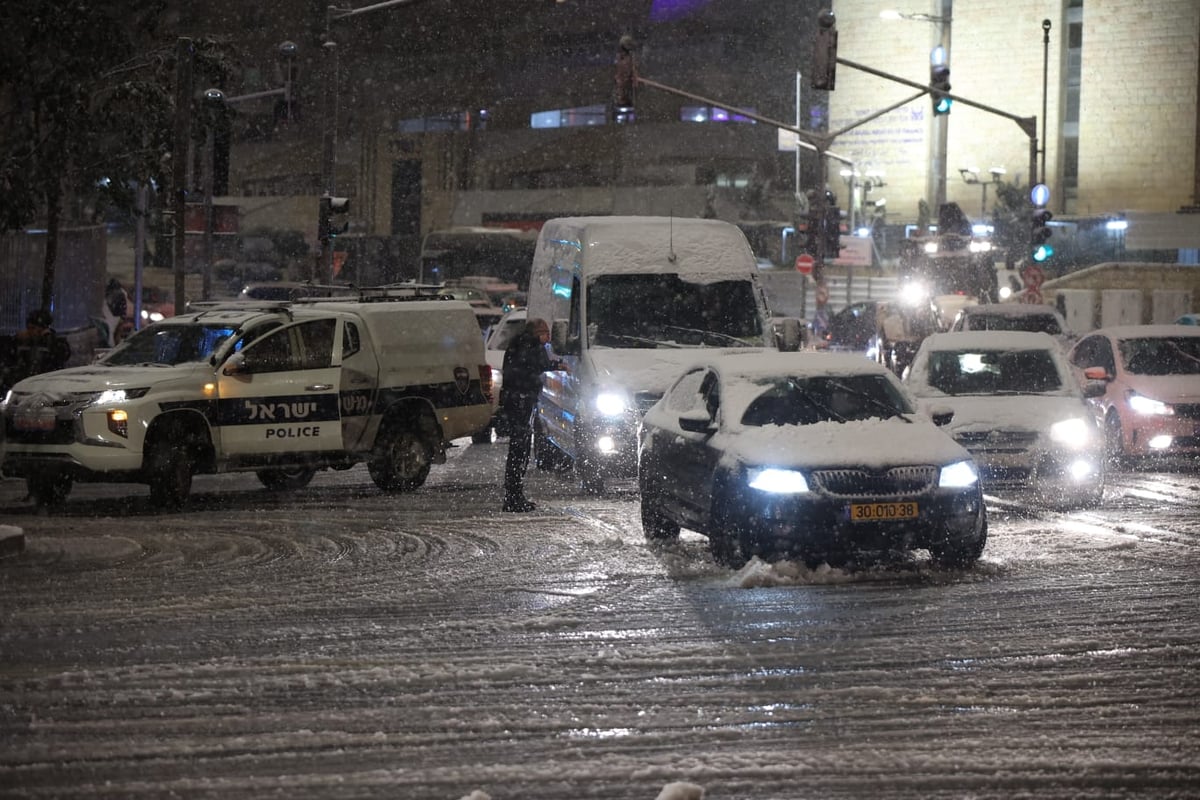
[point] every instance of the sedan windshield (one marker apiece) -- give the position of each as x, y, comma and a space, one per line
1175, 355
994, 372
169, 345
655, 310
826, 398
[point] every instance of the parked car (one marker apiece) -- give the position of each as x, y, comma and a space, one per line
820, 455
1151, 375
1188, 319
1032, 317
1018, 410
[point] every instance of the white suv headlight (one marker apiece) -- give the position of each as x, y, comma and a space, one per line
958, 475
776, 481
1072, 432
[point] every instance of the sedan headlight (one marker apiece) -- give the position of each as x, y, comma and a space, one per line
958, 475
777, 481
1145, 405
1072, 432
611, 404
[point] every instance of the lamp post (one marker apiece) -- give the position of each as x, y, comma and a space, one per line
935, 183
970, 176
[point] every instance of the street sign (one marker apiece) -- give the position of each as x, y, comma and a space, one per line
804, 264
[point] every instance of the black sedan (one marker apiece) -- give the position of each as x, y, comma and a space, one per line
819, 456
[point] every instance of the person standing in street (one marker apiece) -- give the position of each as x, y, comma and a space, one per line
524, 362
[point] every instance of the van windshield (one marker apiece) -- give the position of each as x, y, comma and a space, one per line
662, 310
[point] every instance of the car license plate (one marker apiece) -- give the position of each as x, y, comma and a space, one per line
37, 421
882, 512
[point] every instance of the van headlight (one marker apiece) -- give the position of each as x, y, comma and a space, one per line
611, 404
958, 475
1072, 432
776, 481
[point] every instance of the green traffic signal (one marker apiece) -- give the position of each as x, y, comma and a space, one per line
1043, 253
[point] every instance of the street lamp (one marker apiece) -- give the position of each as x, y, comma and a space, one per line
970, 176
935, 185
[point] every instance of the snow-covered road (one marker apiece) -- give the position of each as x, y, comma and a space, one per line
340, 643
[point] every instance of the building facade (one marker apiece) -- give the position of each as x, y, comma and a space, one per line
501, 113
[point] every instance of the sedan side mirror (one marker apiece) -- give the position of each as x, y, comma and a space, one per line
696, 421
1097, 374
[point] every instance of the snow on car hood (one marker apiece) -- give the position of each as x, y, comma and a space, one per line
873, 444
1014, 412
98, 377
1167, 388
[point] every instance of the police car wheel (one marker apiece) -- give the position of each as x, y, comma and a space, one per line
401, 460
286, 478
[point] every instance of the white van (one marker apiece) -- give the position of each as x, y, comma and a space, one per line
629, 300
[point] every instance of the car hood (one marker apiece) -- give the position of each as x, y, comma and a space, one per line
98, 378
1031, 412
873, 444
1168, 388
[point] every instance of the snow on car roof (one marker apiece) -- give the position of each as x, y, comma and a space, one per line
763, 364
1136, 331
1012, 309
991, 340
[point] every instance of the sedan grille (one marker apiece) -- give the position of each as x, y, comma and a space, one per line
895, 482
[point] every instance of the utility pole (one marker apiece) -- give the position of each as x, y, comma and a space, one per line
179, 159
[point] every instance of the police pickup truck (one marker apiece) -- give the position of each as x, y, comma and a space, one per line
280, 389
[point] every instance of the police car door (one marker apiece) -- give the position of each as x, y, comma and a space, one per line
279, 395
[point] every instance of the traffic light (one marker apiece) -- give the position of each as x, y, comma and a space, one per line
825, 51
1039, 235
833, 232
812, 230
327, 226
939, 86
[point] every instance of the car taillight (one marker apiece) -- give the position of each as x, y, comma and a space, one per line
485, 381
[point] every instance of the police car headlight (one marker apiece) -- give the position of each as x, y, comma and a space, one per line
777, 481
1071, 432
611, 404
119, 395
958, 475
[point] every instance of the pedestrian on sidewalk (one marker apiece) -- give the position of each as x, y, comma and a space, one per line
524, 362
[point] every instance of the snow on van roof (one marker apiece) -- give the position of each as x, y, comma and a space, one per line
1014, 309
703, 249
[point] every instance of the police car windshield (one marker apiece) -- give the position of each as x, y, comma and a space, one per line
170, 345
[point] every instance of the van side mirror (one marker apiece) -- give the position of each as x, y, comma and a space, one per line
562, 343
941, 415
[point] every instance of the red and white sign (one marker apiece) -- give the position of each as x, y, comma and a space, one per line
804, 264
